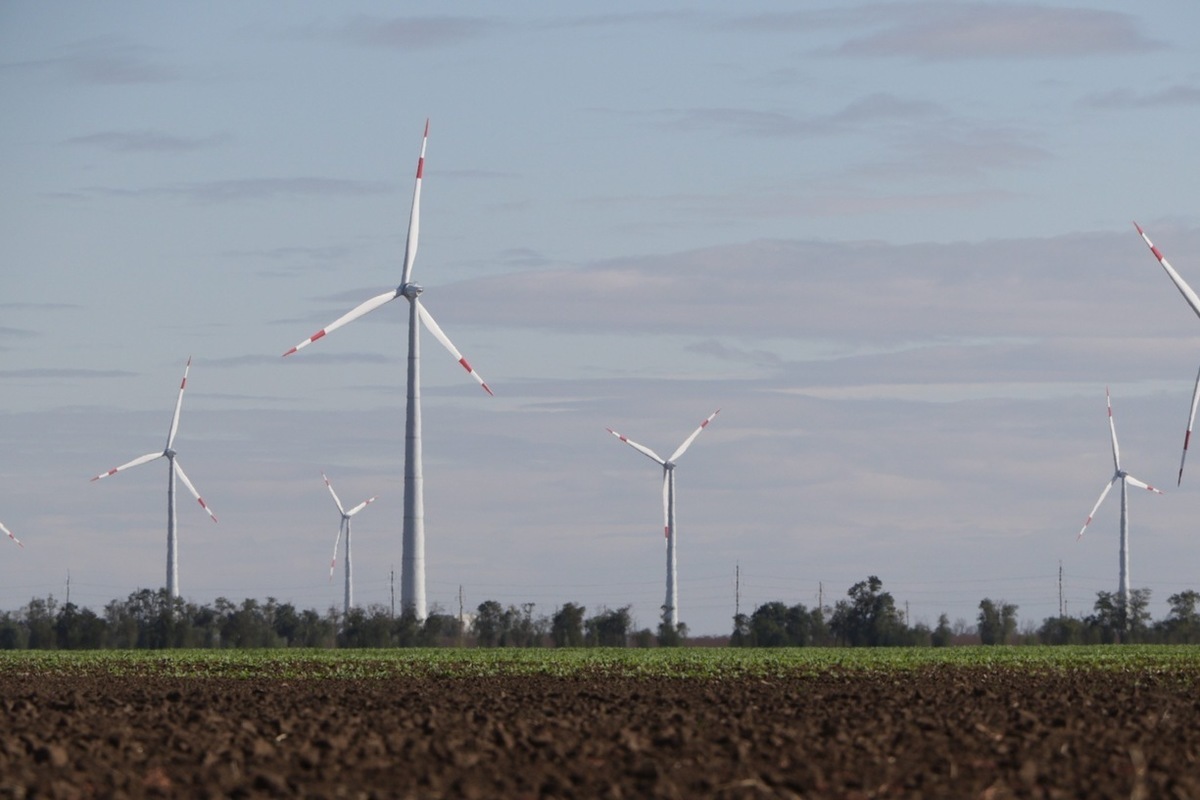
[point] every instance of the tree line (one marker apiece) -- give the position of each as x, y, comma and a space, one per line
867, 617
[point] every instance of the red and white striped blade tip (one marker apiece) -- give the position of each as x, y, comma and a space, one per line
9, 534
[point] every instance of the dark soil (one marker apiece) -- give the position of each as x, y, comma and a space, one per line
941, 732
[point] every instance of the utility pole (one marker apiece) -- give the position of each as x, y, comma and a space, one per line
462, 627
737, 591
1061, 608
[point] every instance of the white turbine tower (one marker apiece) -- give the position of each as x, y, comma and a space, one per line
1126, 480
9, 534
344, 526
173, 468
412, 564
1194, 302
671, 606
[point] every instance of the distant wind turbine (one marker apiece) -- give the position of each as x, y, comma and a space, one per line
344, 526
174, 468
412, 564
1194, 302
9, 534
671, 606
1126, 480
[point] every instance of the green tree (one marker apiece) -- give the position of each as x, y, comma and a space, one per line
869, 618
942, 635
367, 627
769, 625
1062, 630
39, 622
997, 621
741, 632
566, 626
609, 628
491, 624
671, 635
1182, 625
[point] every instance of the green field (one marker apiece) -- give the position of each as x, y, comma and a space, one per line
685, 663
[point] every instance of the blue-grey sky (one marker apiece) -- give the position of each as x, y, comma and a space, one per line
892, 241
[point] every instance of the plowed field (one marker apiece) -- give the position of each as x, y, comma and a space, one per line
935, 731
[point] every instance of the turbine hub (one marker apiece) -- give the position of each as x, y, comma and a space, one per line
169, 453
411, 290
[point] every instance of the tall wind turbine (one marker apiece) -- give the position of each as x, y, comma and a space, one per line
1126, 480
412, 564
344, 526
1194, 302
173, 468
9, 534
671, 606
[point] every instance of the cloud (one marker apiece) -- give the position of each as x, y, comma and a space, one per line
955, 31
1178, 95
147, 141
865, 111
72, 374
859, 291
15, 333
720, 350
308, 357
410, 33
240, 189
102, 61
40, 306
620, 20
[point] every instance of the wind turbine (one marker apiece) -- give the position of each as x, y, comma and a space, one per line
344, 526
174, 468
1126, 480
671, 606
412, 564
1194, 302
9, 534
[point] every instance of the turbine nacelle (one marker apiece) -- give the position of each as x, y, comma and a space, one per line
409, 290
170, 453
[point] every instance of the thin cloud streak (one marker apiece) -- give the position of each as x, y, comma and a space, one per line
238, 190
147, 141
407, 33
1172, 96
958, 31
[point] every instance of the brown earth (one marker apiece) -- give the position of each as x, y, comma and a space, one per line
941, 732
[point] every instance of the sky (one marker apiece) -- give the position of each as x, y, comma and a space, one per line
893, 242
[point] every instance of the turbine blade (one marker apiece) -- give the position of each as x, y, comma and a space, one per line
1112, 427
9, 534
178, 405
1132, 481
364, 308
666, 505
1187, 436
183, 477
1103, 495
414, 217
688, 441
329, 486
134, 463
640, 448
441, 336
333, 561
360, 507
1190, 296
